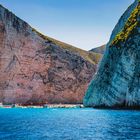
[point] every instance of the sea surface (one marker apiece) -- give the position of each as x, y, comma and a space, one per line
69, 124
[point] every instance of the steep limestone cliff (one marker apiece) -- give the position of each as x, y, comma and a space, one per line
117, 82
36, 69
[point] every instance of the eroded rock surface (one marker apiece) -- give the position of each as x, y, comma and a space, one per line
117, 82
35, 69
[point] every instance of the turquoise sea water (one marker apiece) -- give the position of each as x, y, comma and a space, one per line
69, 124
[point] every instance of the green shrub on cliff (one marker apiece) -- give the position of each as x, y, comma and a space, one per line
89, 56
129, 26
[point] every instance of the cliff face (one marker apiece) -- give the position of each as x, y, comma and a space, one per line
36, 69
117, 82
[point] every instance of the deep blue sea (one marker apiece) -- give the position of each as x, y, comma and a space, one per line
69, 124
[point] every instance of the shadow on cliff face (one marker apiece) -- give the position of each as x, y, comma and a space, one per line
117, 82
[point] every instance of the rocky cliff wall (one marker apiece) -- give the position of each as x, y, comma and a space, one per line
117, 82
35, 69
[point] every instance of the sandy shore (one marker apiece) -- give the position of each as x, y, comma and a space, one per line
64, 106
44, 106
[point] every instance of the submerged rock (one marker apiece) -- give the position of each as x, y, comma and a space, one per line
36, 69
117, 82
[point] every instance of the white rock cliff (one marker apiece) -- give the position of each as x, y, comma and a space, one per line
117, 82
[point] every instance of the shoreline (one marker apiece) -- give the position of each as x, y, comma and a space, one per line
68, 106
44, 106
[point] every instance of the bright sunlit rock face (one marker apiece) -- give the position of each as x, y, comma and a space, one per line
36, 69
117, 82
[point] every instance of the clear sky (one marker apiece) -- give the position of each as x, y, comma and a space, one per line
82, 23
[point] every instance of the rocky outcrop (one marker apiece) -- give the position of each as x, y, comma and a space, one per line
99, 50
36, 69
117, 82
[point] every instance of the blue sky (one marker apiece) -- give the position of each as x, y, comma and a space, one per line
82, 23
